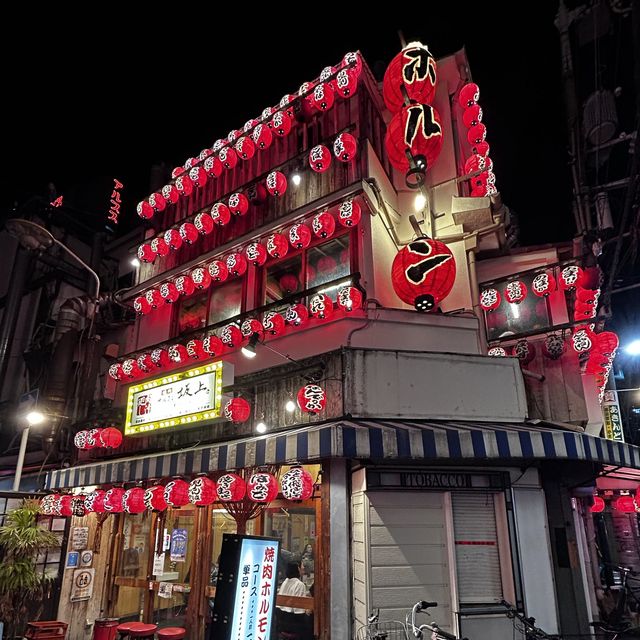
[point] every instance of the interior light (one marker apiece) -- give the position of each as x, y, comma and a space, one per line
135, 262
249, 350
35, 417
261, 427
296, 178
290, 406
419, 202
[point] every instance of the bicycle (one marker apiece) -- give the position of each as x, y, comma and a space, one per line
418, 631
529, 628
386, 630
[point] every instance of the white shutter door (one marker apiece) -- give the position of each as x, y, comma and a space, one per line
476, 545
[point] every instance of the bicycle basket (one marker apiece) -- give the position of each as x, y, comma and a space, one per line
389, 630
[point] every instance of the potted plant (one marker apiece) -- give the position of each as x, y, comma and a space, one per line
20, 583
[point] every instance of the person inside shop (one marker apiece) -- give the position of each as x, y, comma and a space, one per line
293, 620
308, 560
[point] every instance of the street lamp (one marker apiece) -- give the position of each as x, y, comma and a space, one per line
633, 348
32, 418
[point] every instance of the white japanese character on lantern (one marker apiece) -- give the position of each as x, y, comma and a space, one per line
271, 245
570, 275
271, 180
581, 341
291, 484
317, 305
540, 283
278, 119
225, 482
195, 490
342, 79
252, 251
314, 397
338, 146
488, 298
497, 352
514, 289
316, 153
345, 210
294, 235
292, 316
259, 487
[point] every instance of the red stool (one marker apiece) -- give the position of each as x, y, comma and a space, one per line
124, 629
141, 630
172, 633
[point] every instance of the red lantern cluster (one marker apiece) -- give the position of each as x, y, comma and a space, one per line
108, 438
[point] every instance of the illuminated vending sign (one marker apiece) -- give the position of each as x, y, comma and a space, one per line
181, 399
246, 588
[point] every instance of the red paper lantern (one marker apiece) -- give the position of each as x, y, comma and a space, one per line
94, 502
311, 399
203, 222
353, 61
583, 310
588, 296
228, 157
323, 225
543, 284
251, 326
160, 357
64, 507
423, 273
116, 372
497, 352
472, 116
582, 339
606, 342
218, 271
220, 214
625, 504
231, 488
110, 438
173, 239
146, 253
276, 183
213, 345
231, 336
296, 484
320, 158
198, 176
160, 247
141, 306
195, 349
256, 254
554, 347
262, 136
157, 201
469, 95
307, 107
213, 167
184, 185
262, 487
266, 114
185, 285
414, 68
296, 315
145, 210
237, 410
80, 439
598, 505
154, 298
477, 133
286, 105
201, 278
236, 264
349, 298
321, 306
188, 232
178, 353
323, 96
218, 144
281, 123
131, 369
169, 292
245, 148
238, 204
202, 491
515, 292
277, 245
349, 213
204, 154
326, 264
176, 493
327, 75
476, 162
490, 299
345, 147
416, 127
170, 193
250, 124
48, 504
257, 193
481, 149
273, 323
133, 500
288, 283
524, 351
571, 277
154, 498
299, 236
346, 83
145, 362
113, 500
234, 134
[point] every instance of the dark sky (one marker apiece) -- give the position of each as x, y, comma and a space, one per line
87, 103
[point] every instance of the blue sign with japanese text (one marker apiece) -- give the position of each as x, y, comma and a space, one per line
178, 550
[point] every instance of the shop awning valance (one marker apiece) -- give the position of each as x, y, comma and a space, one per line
377, 440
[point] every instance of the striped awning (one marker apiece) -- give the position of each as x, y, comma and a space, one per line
376, 440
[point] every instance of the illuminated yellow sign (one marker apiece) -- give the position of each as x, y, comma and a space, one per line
176, 400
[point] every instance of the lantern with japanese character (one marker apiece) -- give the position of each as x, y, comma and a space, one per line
325, 76
64, 506
184, 185
236, 264
160, 357
321, 306
598, 505
218, 270
178, 353
154, 298
116, 372
94, 502
113, 500
205, 153
323, 96
48, 504
423, 273
307, 107
311, 399
250, 327
323, 225
262, 487
245, 148
349, 213
571, 277
154, 498
554, 347
346, 83
231, 488
543, 284
277, 245
201, 278
80, 439
160, 247
238, 204
515, 292
490, 299
299, 236
213, 166
213, 345
93, 438
256, 254
169, 292
145, 210
202, 491
220, 214
262, 136
296, 315
349, 298
198, 176
195, 349
170, 193
228, 157
286, 104
320, 158
276, 183
297, 484
524, 351
146, 253
273, 323
141, 305
185, 285
582, 339
469, 95
345, 147
231, 336
188, 232
145, 362
476, 134
131, 369
352, 61
176, 493
110, 438
281, 123
237, 410
173, 239
203, 222
133, 500
497, 352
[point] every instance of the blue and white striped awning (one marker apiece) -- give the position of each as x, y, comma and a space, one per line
376, 440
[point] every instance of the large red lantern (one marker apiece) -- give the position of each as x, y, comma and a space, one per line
160, 357
281, 123
543, 284
349, 298
276, 183
178, 353
198, 176
349, 213
515, 292
346, 83
238, 204
145, 362
469, 95
277, 245
218, 270
323, 96
110, 438
319, 158
598, 505
154, 498
169, 292
321, 306
423, 273
131, 369
296, 315
245, 148
176, 493
173, 239
154, 298
236, 264
305, 93
256, 254
220, 214
524, 351
571, 277
472, 116
262, 487
250, 327
213, 345
145, 210
231, 488
185, 285
299, 236
195, 349
141, 305
414, 68
262, 136
170, 193
606, 342
297, 484
625, 504
188, 232
133, 500
273, 323
231, 336
582, 339
213, 166
237, 410
416, 127
490, 299
228, 157
63, 506
257, 193
203, 222
477, 134
202, 491
323, 224
116, 372
80, 439
184, 185
160, 247
201, 278
554, 347
113, 500
345, 147
311, 399
146, 253
157, 201
94, 502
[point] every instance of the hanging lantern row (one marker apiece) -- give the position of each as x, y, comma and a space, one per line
553, 348
232, 336
484, 183
257, 134
345, 147
625, 503
108, 438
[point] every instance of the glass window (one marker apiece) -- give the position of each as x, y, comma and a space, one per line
192, 312
327, 262
221, 523
283, 279
226, 301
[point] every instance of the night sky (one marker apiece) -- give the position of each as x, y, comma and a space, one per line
86, 104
